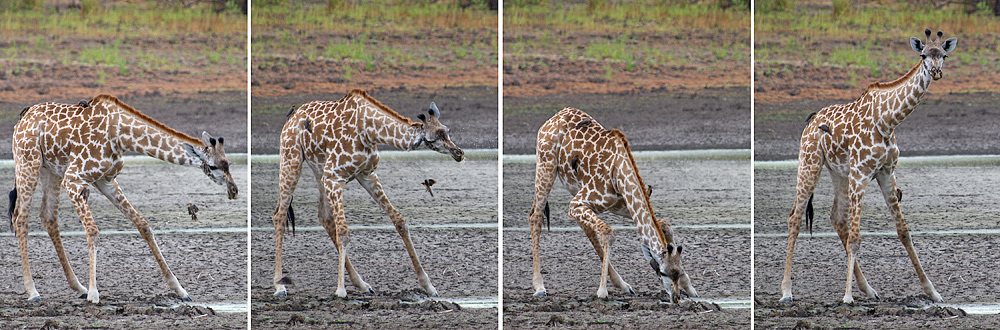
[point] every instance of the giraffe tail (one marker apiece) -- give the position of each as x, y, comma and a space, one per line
12, 208
546, 212
809, 214
291, 218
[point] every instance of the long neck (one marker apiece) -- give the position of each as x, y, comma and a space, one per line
899, 101
380, 127
154, 140
631, 187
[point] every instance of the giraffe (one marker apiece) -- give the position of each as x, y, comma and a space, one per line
338, 140
855, 142
70, 146
596, 166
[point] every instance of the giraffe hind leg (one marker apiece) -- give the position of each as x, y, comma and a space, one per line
838, 217
327, 217
288, 177
26, 182
810, 165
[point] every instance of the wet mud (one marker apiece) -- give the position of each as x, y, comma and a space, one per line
211, 266
934, 199
461, 263
685, 194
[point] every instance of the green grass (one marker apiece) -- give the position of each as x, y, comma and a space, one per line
385, 16
648, 16
134, 20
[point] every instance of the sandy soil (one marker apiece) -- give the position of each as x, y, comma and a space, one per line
684, 193
211, 266
460, 262
934, 198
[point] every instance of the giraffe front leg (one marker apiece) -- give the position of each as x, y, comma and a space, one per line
616, 279
586, 217
374, 188
50, 220
114, 193
79, 194
336, 227
327, 219
839, 218
810, 166
887, 183
856, 193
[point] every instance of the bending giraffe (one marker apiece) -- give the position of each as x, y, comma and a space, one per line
597, 167
856, 142
70, 146
338, 142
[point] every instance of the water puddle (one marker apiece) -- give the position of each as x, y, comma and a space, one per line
727, 303
944, 161
234, 159
134, 232
222, 307
628, 227
473, 302
977, 308
417, 155
393, 228
670, 155
987, 231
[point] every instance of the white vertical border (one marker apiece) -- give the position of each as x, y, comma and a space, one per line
249, 191
752, 43
500, 165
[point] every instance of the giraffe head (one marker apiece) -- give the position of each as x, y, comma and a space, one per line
435, 135
214, 162
670, 267
933, 52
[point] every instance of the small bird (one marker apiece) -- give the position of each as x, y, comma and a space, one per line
427, 184
193, 211
84, 103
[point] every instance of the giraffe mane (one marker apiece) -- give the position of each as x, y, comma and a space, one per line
392, 113
642, 185
146, 118
877, 86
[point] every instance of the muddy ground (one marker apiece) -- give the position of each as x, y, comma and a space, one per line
934, 198
684, 193
218, 113
211, 266
460, 262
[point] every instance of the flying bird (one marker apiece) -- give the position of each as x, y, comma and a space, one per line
193, 211
427, 184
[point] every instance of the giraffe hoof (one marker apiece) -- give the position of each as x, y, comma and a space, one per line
631, 291
187, 298
785, 300
540, 294
35, 299
281, 294
372, 290
83, 295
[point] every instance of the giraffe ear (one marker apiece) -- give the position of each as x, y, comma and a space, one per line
207, 138
949, 45
916, 45
433, 111
679, 249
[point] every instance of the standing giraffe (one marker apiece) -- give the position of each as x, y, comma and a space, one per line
856, 142
338, 142
597, 167
68, 146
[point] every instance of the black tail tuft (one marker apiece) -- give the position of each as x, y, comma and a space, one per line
13, 205
547, 224
809, 214
291, 218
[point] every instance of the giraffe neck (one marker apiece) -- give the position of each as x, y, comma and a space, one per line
631, 186
380, 127
145, 136
899, 100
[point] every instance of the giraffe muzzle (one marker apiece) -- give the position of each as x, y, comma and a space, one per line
457, 154
231, 191
936, 73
